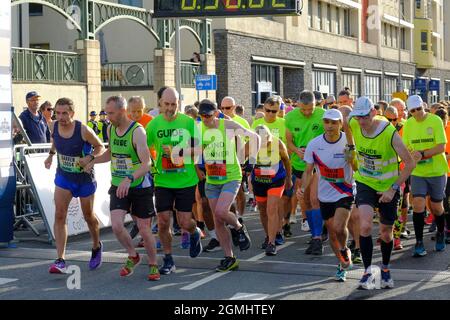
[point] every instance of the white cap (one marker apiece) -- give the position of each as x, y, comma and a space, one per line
414, 102
332, 114
362, 108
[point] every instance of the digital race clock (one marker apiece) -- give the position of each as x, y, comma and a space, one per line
218, 8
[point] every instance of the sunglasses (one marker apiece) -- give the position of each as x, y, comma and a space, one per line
226, 108
362, 117
416, 109
50, 109
391, 120
206, 116
270, 111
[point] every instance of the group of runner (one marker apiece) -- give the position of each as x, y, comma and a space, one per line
343, 165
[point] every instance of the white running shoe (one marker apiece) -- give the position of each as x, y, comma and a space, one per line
305, 225
292, 219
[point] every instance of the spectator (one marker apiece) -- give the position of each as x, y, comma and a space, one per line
47, 111
195, 57
240, 110
345, 97
105, 123
33, 121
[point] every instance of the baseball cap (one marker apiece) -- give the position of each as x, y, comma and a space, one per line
207, 107
363, 106
32, 94
414, 102
319, 96
103, 113
330, 99
93, 113
332, 114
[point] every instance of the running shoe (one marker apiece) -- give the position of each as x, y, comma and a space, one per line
398, 244
419, 250
168, 266
279, 240
367, 282
310, 247
134, 231
244, 238
96, 257
213, 245
195, 244
440, 241
264, 244
228, 264
177, 230
128, 269
305, 225
341, 274
292, 219
234, 236
386, 280
185, 240
287, 230
356, 257
317, 249
271, 249
345, 258
154, 229
58, 267
153, 274
432, 227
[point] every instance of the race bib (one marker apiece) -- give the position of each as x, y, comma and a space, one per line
216, 171
332, 175
168, 166
370, 165
69, 164
121, 166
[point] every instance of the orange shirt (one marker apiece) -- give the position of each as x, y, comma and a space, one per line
447, 146
144, 121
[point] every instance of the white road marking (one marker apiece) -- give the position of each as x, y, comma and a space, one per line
249, 296
6, 280
204, 281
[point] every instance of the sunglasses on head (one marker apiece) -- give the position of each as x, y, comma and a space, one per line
270, 111
416, 109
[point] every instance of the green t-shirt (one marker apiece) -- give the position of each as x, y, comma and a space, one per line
303, 130
427, 134
241, 121
179, 132
277, 128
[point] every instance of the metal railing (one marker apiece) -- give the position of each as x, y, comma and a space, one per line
188, 72
127, 74
45, 65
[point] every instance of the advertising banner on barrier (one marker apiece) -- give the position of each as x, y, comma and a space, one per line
7, 174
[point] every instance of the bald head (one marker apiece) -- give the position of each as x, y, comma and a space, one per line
345, 110
170, 93
169, 103
228, 106
228, 101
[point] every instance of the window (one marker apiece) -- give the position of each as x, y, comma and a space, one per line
407, 85
310, 13
385, 35
447, 90
338, 20
35, 9
134, 3
372, 87
418, 4
347, 22
324, 81
352, 81
264, 73
328, 17
403, 39
319, 15
390, 86
424, 40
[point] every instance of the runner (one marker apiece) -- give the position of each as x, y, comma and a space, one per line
271, 175
334, 161
132, 185
223, 178
277, 128
173, 134
424, 135
73, 141
302, 125
378, 181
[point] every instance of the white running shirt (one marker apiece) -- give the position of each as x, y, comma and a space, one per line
335, 174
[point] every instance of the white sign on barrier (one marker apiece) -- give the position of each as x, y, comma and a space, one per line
45, 187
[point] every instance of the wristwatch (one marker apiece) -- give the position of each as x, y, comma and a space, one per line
422, 153
395, 187
131, 178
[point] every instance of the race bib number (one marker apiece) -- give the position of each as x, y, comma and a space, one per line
168, 166
370, 165
332, 175
216, 171
121, 166
69, 164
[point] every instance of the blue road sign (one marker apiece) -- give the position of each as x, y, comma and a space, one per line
204, 82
